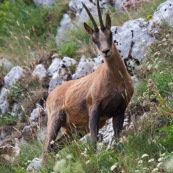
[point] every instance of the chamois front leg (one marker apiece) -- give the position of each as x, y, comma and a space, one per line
117, 122
94, 124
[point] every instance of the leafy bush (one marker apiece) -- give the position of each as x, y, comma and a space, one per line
166, 137
67, 49
8, 119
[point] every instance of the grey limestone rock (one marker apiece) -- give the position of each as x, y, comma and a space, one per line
13, 76
163, 14
44, 3
34, 165
39, 72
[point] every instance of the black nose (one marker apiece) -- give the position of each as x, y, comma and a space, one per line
106, 51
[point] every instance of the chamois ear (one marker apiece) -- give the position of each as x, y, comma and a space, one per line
108, 22
88, 29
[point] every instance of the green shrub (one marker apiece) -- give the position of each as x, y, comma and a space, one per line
8, 119
67, 49
166, 137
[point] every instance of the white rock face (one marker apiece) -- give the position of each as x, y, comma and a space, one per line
164, 13
98, 60
3, 94
4, 105
132, 39
54, 66
44, 2
119, 4
35, 114
84, 67
39, 72
34, 165
65, 25
9, 153
55, 81
60, 71
4, 108
16, 109
13, 76
67, 62
5, 64
63, 74
80, 13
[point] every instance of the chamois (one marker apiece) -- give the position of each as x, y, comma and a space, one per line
86, 103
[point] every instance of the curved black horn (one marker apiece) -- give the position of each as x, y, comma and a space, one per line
91, 17
100, 16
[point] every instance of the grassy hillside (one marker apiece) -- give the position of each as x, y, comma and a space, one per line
26, 31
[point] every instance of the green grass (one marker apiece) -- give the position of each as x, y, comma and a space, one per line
27, 30
8, 119
29, 150
152, 135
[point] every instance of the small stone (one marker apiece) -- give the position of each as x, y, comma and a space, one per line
54, 66
39, 72
5, 64
34, 165
13, 76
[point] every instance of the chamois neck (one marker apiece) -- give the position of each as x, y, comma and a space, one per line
115, 64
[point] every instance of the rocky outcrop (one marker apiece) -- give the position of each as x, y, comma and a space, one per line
5, 65
44, 3
39, 72
162, 15
34, 165
13, 76
132, 39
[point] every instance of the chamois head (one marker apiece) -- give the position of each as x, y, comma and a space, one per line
101, 36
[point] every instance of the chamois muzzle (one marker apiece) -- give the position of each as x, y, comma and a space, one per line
106, 52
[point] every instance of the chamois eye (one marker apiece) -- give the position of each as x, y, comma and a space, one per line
94, 39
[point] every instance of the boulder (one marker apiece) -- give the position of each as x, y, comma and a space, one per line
80, 16
65, 25
5, 64
54, 66
119, 4
13, 76
35, 114
132, 40
84, 67
55, 81
9, 152
16, 109
63, 74
67, 62
44, 3
163, 14
4, 105
34, 165
39, 72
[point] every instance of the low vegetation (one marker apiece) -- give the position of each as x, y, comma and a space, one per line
27, 30
147, 146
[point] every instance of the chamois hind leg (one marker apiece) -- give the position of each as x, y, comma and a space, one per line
55, 122
94, 124
117, 122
